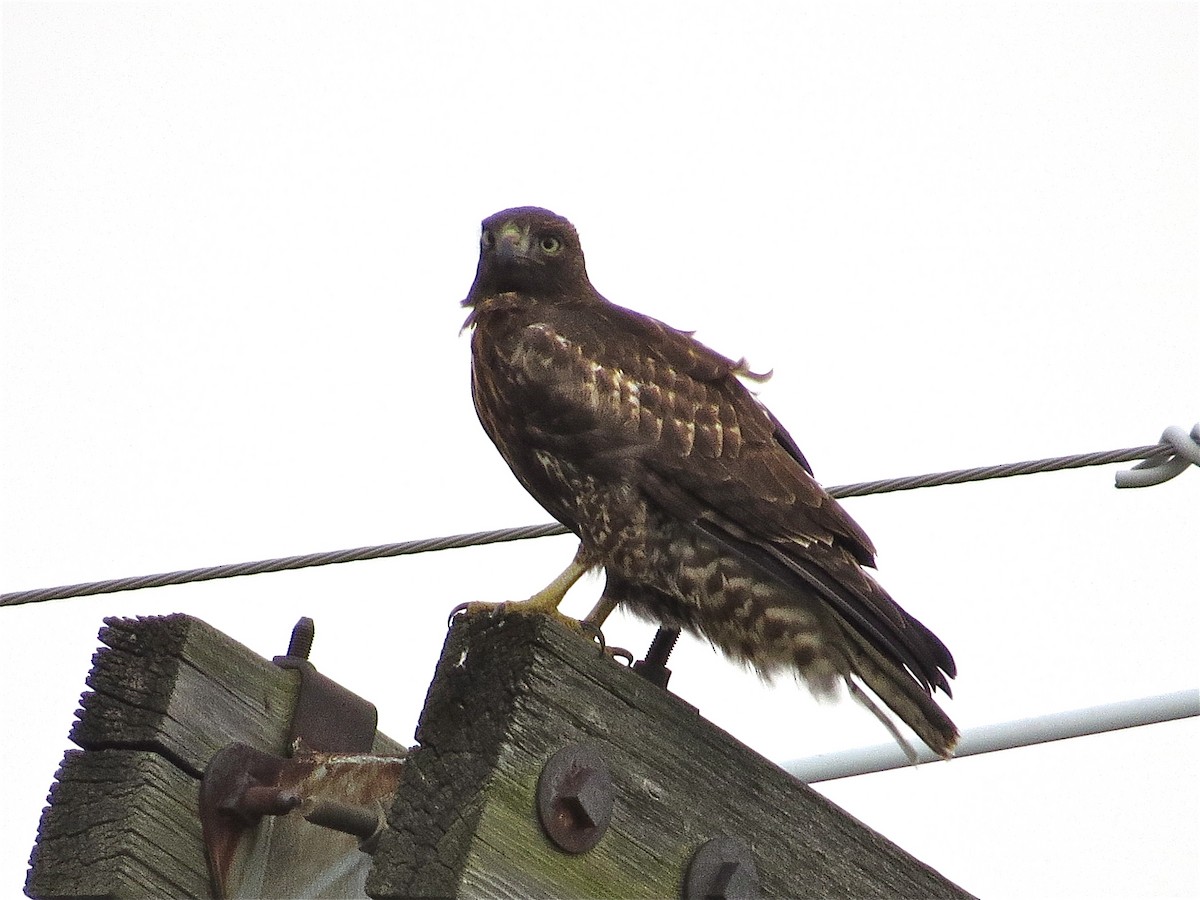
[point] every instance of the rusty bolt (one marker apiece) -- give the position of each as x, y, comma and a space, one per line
364, 822
721, 868
575, 798
259, 800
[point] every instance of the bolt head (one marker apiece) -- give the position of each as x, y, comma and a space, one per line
575, 798
722, 868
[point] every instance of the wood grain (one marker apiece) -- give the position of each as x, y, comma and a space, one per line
509, 692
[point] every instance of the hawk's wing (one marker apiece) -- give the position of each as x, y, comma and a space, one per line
673, 415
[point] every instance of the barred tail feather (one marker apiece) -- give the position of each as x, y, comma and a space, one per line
902, 694
865, 701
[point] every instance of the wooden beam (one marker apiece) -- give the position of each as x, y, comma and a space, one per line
121, 823
167, 693
511, 691
180, 687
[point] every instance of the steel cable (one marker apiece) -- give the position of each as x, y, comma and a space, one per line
1163, 460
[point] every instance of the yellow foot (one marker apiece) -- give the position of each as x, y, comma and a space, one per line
516, 607
530, 608
545, 602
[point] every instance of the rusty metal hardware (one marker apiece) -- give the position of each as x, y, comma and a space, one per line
575, 798
364, 822
330, 778
327, 716
345, 792
721, 868
239, 786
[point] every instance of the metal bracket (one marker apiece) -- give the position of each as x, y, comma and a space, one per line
237, 789
346, 792
330, 774
327, 717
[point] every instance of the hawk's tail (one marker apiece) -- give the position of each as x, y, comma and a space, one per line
904, 696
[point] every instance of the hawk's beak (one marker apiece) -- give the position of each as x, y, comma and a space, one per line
512, 243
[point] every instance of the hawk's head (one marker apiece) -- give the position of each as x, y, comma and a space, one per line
529, 251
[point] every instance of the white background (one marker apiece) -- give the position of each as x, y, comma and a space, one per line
236, 235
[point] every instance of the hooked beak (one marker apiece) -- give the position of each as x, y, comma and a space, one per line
512, 243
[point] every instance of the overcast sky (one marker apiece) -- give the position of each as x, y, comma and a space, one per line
236, 235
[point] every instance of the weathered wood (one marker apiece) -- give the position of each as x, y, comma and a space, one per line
167, 693
177, 685
511, 691
132, 822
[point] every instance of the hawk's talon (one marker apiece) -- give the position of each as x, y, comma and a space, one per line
592, 630
615, 652
528, 608
473, 607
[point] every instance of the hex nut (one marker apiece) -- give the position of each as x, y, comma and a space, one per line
723, 868
575, 798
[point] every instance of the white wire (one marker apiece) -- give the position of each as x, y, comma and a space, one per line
1005, 736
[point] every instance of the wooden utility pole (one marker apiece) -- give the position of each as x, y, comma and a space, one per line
531, 741
166, 694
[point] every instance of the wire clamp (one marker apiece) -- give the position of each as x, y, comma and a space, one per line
1183, 451
327, 716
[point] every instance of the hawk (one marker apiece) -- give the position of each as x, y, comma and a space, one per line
677, 481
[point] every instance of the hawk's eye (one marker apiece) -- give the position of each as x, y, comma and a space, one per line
550, 245
487, 239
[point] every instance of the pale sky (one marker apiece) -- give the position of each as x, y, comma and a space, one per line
236, 235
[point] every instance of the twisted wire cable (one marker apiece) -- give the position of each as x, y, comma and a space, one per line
1162, 461
1005, 470
282, 564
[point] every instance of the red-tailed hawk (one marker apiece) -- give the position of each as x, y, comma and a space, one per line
692, 496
